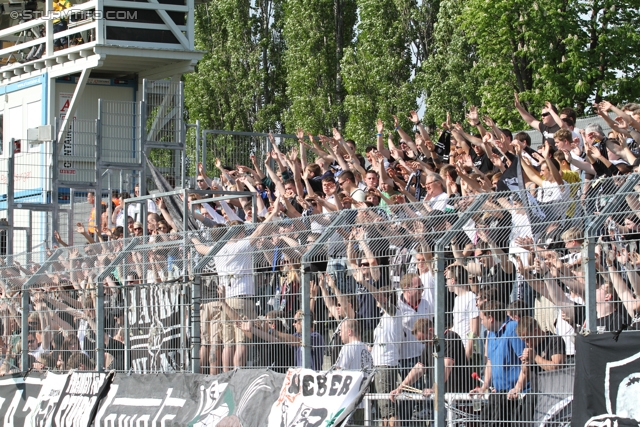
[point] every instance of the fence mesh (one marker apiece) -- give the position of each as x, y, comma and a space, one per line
494, 285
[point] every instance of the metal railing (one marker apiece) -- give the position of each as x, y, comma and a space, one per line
433, 294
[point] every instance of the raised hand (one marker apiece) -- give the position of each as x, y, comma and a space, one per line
300, 133
605, 106
336, 134
548, 105
472, 117
516, 100
489, 121
379, 126
396, 122
545, 150
79, 228
413, 116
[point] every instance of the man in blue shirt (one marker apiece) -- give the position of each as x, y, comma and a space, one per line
502, 376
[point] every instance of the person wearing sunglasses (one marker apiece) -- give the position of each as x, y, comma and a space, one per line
546, 124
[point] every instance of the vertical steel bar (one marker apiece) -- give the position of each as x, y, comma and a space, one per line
195, 324
439, 410
126, 326
24, 339
10, 194
70, 217
100, 333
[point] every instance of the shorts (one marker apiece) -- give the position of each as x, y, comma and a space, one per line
385, 381
210, 323
244, 306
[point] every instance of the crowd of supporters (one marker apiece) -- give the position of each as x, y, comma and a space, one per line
514, 273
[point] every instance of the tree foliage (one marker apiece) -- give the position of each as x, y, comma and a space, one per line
377, 70
282, 64
316, 32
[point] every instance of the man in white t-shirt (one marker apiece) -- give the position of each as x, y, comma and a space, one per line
234, 266
437, 196
354, 355
347, 181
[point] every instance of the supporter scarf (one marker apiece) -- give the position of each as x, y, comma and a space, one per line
443, 146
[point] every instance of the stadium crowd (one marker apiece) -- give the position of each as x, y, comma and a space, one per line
514, 272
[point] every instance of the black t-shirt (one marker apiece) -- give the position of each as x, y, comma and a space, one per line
548, 132
459, 380
498, 278
483, 163
549, 345
368, 312
610, 323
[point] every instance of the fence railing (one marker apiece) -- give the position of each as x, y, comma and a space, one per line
482, 293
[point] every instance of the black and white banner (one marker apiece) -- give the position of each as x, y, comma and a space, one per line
607, 384
242, 398
52, 388
312, 399
19, 397
154, 319
78, 403
167, 399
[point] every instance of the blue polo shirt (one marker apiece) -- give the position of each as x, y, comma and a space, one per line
504, 349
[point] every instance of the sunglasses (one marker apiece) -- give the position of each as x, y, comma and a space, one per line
546, 114
137, 228
200, 180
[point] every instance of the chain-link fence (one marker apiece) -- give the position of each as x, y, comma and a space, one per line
466, 308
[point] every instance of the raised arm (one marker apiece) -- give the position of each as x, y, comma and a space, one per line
526, 116
380, 139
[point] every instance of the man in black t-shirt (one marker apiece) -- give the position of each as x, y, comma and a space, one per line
546, 125
480, 159
457, 370
544, 351
501, 276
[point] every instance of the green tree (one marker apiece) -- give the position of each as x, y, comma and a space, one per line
239, 84
316, 33
447, 78
377, 70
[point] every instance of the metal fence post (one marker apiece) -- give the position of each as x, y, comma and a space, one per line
588, 249
25, 329
10, 194
440, 320
306, 259
127, 341
100, 323
196, 294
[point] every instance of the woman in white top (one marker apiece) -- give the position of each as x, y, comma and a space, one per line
466, 318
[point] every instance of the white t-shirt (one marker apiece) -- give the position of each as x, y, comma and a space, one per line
552, 192
386, 341
233, 264
428, 291
354, 356
410, 346
330, 199
464, 310
439, 202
